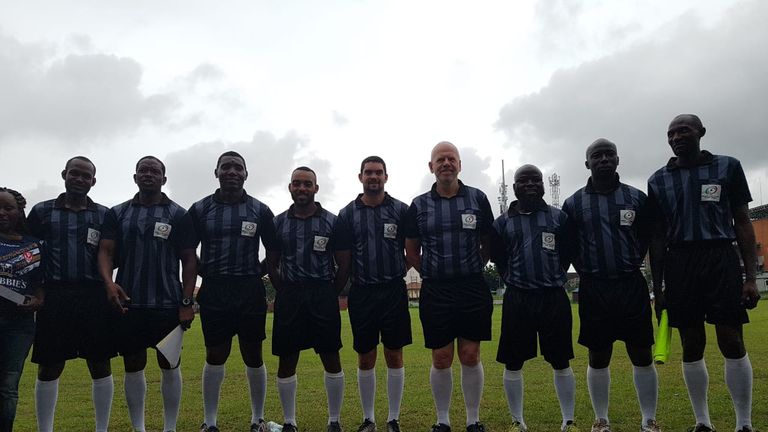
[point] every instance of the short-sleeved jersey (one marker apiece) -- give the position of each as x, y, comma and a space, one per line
71, 237
376, 237
612, 229
449, 230
532, 248
697, 203
20, 269
148, 241
306, 245
230, 233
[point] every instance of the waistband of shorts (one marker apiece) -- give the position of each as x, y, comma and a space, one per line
457, 278
86, 285
391, 284
703, 244
616, 276
308, 283
231, 278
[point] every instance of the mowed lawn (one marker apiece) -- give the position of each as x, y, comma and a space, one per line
542, 413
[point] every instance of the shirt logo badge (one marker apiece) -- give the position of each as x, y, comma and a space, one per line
548, 241
711, 192
390, 230
162, 230
468, 221
93, 237
627, 217
320, 243
248, 229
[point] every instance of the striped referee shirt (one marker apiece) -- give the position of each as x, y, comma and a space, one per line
376, 237
71, 237
696, 202
306, 245
230, 233
449, 230
148, 240
532, 248
612, 229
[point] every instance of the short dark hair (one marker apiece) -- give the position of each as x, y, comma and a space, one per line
305, 168
694, 120
231, 153
162, 165
374, 159
81, 158
22, 203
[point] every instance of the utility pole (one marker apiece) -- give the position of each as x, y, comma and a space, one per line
502, 191
554, 189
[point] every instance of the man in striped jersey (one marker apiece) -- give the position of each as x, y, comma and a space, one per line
146, 238
701, 202
531, 249
306, 305
612, 229
75, 320
230, 223
371, 236
447, 234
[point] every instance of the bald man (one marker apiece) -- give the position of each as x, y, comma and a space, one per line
700, 202
612, 230
447, 235
531, 247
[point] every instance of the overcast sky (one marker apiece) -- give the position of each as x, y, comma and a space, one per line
326, 84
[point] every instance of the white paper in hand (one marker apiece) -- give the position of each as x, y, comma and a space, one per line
170, 346
12, 295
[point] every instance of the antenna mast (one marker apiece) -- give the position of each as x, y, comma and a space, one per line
554, 189
503, 191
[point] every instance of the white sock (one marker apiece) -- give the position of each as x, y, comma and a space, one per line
647, 388
513, 388
102, 391
334, 389
366, 384
395, 385
286, 391
46, 394
213, 376
257, 384
441, 381
697, 381
170, 388
738, 378
135, 394
565, 387
599, 386
472, 381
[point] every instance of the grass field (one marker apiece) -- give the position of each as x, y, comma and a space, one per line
75, 412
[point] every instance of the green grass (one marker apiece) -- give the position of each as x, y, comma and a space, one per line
75, 412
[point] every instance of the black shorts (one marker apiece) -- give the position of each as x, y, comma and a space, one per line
140, 329
306, 316
75, 321
455, 308
703, 283
380, 309
615, 309
528, 313
232, 306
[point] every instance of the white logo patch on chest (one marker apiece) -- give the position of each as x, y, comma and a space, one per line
320, 243
390, 230
93, 237
627, 217
248, 229
548, 241
162, 230
711, 192
468, 221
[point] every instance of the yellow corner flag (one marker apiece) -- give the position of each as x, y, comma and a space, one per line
663, 339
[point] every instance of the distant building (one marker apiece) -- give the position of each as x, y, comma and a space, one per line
413, 284
759, 217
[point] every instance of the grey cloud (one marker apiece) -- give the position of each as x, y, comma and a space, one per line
339, 119
205, 72
630, 97
41, 192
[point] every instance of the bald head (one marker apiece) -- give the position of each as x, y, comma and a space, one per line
443, 146
445, 163
600, 144
527, 170
691, 120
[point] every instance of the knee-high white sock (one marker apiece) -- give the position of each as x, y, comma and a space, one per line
102, 391
366, 384
170, 388
334, 389
697, 381
513, 388
46, 394
135, 394
441, 381
565, 387
213, 376
395, 385
599, 386
257, 384
738, 378
647, 388
472, 382
286, 391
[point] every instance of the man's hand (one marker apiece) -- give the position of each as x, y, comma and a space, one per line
749, 294
659, 302
186, 316
117, 298
32, 303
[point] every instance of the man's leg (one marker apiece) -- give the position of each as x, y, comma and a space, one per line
646, 381
256, 372
599, 381
170, 388
46, 394
213, 377
135, 387
565, 387
286, 386
102, 391
334, 384
366, 383
395, 381
513, 389
441, 381
738, 371
472, 378
694, 339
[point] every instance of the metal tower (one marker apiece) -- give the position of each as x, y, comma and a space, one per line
554, 189
502, 191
